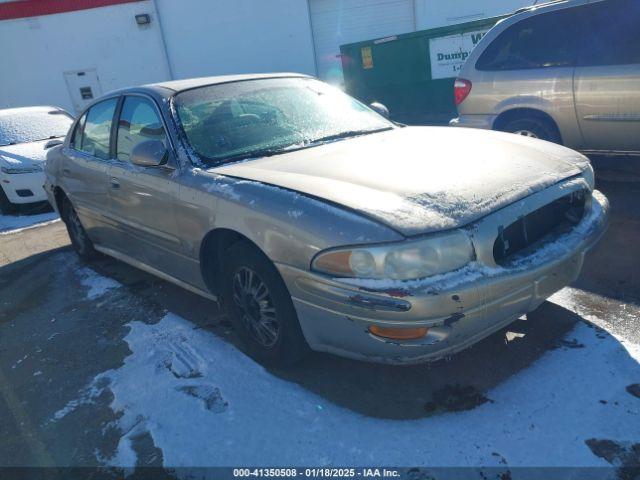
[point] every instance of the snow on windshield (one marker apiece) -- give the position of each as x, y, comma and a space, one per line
258, 117
28, 125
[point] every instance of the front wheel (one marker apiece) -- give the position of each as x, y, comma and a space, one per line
259, 306
78, 235
533, 128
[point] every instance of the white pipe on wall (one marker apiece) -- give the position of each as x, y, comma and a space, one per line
162, 40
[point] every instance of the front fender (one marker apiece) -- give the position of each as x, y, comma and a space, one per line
289, 227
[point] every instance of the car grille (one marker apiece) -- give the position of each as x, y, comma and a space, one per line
529, 231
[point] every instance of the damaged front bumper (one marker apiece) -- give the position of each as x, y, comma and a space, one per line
459, 308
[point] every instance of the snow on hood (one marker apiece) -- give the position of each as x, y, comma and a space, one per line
419, 179
23, 154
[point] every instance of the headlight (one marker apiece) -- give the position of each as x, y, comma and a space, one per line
399, 261
24, 169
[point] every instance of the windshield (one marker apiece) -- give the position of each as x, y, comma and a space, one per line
24, 126
260, 117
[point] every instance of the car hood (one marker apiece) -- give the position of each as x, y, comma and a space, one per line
23, 154
419, 179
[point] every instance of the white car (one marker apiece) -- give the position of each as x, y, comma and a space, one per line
25, 135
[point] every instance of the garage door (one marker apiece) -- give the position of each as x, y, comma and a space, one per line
336, 22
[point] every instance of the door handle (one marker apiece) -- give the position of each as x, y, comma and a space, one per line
115, 184
66, 171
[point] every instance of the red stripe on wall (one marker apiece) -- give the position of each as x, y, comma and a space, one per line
34, 8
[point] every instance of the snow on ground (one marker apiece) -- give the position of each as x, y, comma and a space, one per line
205, 403
12, 223
96, 284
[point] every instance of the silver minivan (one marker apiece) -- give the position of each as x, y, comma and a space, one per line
567, 72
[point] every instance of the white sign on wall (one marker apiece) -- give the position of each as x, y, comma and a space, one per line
449, 53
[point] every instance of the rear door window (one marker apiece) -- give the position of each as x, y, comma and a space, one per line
542, 41
97, 129
139, 122
612, 33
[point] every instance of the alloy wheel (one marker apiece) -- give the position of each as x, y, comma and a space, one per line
253, 299
526, 133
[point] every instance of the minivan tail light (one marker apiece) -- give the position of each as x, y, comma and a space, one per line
461, 89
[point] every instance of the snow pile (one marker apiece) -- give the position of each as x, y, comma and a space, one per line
233, 412
204, 403
87, 397
96, 284
12, 224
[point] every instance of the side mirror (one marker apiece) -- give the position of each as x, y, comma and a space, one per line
380, 108
151, 153
53, 143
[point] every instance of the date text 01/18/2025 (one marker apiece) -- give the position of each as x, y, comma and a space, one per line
316, 472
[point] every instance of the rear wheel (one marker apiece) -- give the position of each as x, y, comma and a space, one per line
6, 207
260, 307
78, 235
534, 128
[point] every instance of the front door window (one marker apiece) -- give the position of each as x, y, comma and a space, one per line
139, 122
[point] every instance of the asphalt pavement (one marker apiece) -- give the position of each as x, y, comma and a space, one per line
55, 338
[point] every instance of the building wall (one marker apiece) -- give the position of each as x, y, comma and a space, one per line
189, 38
37, 51
337, 22
431, 14
237, 36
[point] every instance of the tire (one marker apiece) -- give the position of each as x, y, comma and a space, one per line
257, 301
81, 242
6, 207
533, 127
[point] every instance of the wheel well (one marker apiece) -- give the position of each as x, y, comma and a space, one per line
59, 196
215, 243
519, 113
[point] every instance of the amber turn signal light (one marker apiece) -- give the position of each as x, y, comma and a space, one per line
399, 333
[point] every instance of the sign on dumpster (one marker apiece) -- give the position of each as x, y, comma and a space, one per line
449, 53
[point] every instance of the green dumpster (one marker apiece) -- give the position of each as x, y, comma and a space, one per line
413, 73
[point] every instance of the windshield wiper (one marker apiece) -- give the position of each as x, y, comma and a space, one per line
265, 152
268, 152
346, 134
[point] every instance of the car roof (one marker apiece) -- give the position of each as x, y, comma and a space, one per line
539, 7
189, 83
163, 90
34, 109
